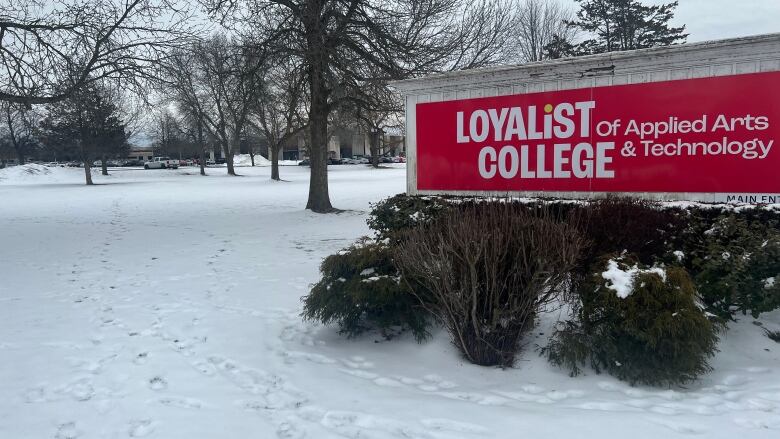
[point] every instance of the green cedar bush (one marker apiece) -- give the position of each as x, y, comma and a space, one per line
656, 335
361, 290
735, 263
391, 217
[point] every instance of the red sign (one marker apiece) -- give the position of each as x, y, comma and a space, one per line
711, 135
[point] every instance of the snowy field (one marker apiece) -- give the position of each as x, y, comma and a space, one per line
166, 305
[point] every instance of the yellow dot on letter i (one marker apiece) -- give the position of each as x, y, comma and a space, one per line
548, 108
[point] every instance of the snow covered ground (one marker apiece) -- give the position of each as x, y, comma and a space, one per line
164, 304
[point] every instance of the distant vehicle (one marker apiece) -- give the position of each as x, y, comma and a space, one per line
386, 159
304, 162
210, 162
399, 159
335, 161
358, 160
131, 163
161, 163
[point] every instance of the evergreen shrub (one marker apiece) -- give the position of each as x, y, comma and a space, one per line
361, 290
639, 323
393, 216
735, 263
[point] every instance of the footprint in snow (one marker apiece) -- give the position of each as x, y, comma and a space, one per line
67, 431
140, 358
289, 430
184, 403
158, 383
140, 428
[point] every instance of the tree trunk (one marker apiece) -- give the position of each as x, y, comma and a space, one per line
201, 149
228, 158
103, 166
252, 157
317, 61
319, 199
87, 165
88, 172
274, 151
375, 149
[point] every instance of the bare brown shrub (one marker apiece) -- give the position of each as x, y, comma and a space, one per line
490, 268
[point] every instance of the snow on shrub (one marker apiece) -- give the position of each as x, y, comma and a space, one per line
361, 290
488, 269
641, 324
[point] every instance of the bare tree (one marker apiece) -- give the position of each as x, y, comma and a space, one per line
182, 86
280, 113
343, 43
539, 23
227, 73
482, 36
49, 50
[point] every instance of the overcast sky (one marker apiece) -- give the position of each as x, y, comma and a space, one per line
718, 19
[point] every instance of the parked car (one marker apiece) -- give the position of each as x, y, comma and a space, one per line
130, 163
335, 161
161, 163
358, 160
210, 162
399, 159
385, 159
304, 162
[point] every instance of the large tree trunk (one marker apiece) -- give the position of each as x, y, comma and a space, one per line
319, 199
274, 150
104, 165
317, 60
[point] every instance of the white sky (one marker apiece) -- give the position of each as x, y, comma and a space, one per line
718, 19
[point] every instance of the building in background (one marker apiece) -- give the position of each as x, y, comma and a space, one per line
348, 143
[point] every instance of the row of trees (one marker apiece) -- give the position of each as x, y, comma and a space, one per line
88, 125
285, 68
